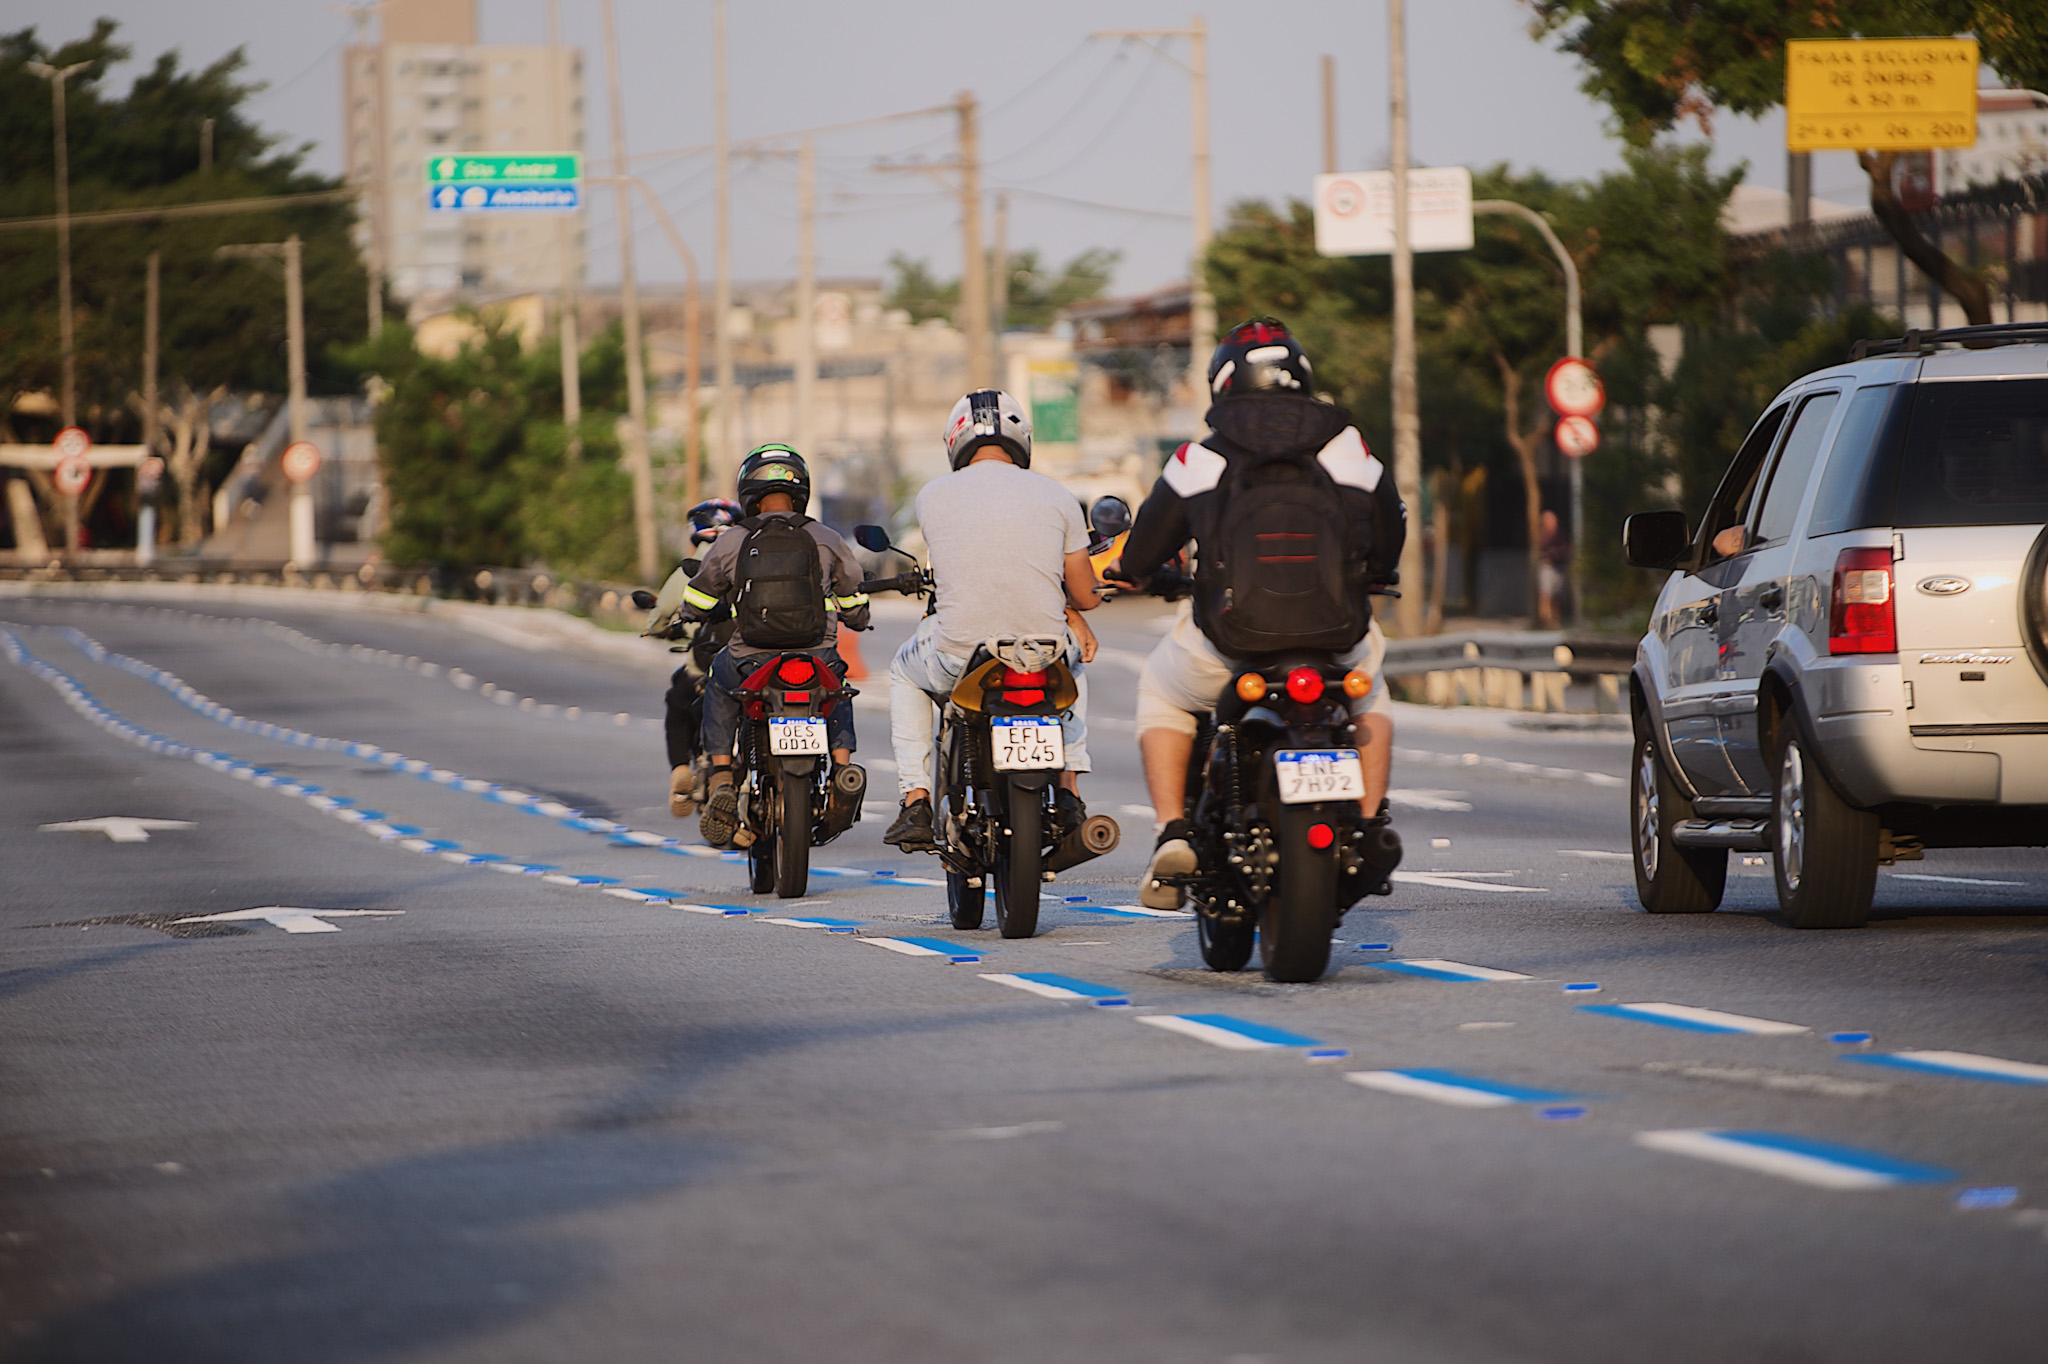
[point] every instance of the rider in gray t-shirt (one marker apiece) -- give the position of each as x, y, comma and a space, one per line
1009, 552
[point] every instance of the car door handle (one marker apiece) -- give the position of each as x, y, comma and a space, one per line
1772, 598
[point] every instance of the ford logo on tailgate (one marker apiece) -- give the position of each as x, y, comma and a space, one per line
1943, 587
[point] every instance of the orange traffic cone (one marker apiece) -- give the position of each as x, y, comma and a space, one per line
849, 653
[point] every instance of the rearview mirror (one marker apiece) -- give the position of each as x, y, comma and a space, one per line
1657, 539
643, 599
873, 539
1109, 517
690, 567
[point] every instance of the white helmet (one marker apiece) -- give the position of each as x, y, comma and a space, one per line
988, 416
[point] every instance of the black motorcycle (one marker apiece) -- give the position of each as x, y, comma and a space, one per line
792, 795
999, 755
1282, 849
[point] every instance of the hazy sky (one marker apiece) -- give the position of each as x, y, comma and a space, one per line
1096, 120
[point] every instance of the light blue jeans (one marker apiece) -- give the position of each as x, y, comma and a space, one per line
921, 668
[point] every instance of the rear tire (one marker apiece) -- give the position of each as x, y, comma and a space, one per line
1669, 879
793, 836
964, 903
1225, 947
1295, 927
1824, 850
1019, 857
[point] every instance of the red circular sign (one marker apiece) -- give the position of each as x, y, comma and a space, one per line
73, 473
72, 440
301, 460
1577, 436
1574, 389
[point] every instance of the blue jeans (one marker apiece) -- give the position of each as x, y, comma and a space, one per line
921, 668
722, 701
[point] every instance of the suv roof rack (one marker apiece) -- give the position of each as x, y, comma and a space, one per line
1923, 341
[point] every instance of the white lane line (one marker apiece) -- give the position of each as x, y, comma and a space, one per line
1050, 985
1691, 1019
1952, 880
1595, 854
1824, 1165
1431, 758
1967, 1065
1442, 802
294, 920
1450, 1087
1424, 878
1448, 970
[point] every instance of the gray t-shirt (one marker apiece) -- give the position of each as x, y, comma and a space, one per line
999, 537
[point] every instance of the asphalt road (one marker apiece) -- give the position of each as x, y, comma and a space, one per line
534, 1091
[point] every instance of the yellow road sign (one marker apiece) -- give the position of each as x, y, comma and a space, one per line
1880, 94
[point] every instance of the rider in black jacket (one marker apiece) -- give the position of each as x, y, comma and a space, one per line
1265, 401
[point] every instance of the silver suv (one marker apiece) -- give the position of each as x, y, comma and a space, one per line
1849, 663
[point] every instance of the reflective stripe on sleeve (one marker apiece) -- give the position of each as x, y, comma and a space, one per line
848, 603
703, 601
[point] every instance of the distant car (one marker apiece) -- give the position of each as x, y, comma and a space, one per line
1849, 663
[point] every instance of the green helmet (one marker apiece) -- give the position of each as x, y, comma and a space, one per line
773, 469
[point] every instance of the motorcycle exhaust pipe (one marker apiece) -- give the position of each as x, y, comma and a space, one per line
1097, 835
1380, 848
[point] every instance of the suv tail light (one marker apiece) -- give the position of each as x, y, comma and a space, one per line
1860, 617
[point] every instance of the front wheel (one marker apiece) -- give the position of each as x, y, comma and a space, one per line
1020, 853
964, 903
792, 836
1824, 849
1225, 947
1670, 879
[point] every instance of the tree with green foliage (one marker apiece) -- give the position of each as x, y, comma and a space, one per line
1036, 293
1655, 62
478, 468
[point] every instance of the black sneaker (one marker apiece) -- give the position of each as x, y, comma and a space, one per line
912, 831
721, 815
1068, 812
1173, 856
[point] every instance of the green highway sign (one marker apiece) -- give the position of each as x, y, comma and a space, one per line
547, 168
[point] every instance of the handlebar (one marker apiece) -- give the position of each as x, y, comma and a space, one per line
911, 584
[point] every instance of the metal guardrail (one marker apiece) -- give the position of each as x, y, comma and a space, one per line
1582, 656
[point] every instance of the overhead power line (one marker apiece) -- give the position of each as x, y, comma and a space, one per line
211, 209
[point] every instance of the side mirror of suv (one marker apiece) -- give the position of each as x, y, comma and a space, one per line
1655, 539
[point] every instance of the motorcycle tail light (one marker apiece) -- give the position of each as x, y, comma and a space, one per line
796, 671
1321, 836
1030, 697
1860, 619
755, 709
802, 696
1251, 687
1305, 685
1013, 678
1357, 683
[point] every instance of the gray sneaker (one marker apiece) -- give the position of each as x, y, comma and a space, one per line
1174, 856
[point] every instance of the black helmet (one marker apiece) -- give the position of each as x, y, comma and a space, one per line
773, 469
711, 516
1260, 355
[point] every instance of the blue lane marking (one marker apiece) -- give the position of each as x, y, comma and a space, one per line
823, 922
943, 947
1079, 987
1375, 947
1855, 1157
1988, 1069
1520, 1094
1624, 1011
1257, 1032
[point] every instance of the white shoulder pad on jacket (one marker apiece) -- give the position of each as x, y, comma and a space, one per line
1349, 462
1193, 469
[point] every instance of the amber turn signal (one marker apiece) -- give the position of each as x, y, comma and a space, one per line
1251, 687
1357, 683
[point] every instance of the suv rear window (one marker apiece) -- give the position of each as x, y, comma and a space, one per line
1976, 454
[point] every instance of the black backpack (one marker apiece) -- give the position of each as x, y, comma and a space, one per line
1282, 562
779, 585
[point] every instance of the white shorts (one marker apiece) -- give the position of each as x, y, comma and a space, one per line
1184, 675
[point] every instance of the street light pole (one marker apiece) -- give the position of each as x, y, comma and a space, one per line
638, 462
1574, 342
305, 549
723, 456
56, 76
1407, 420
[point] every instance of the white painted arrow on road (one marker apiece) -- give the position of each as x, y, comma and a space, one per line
119, 828
294, 920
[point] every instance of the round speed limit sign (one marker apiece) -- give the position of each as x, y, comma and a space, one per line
1577, 437
72, 474
1574, 389
301, 460
71, 441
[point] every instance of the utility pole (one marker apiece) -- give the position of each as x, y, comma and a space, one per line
966, 164
206, 144
1201, 303
999, 276
56, 76
724, 458
151, 296
806, 300
1407, 420
637, 461
1329, 114
566, 323
304, 551
693, 327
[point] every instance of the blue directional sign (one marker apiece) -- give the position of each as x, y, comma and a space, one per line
459, 197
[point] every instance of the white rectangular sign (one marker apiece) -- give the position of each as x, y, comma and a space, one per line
1355, 211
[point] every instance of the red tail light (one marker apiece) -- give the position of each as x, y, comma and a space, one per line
1305, 685
1013, 678
1860, 617
796, 671
1030, 697
1321, 836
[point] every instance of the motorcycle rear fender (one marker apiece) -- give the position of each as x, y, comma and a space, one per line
798, 766
1034, 780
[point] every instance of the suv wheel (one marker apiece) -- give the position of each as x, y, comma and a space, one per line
1824, 849
1669, 879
